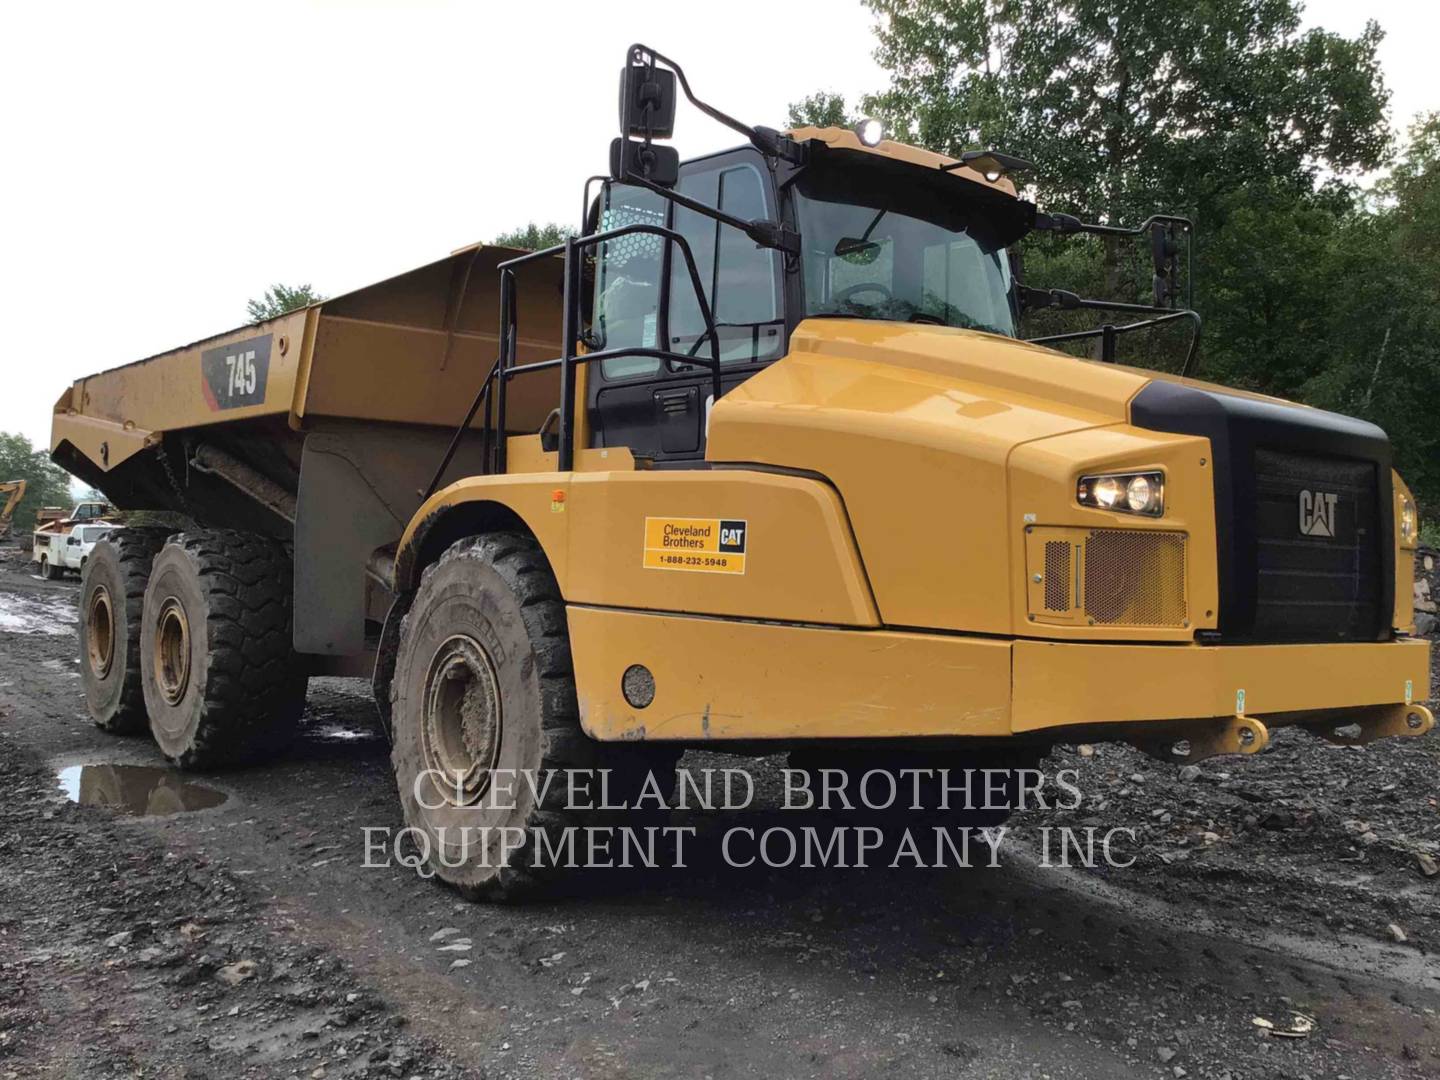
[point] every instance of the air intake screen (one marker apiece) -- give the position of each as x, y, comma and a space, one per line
1057, 575
1135, 578
1320, 580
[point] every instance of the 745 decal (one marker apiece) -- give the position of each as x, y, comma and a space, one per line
233, 376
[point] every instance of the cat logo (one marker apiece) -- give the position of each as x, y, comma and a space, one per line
1317, 513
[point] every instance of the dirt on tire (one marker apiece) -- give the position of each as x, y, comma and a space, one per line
489, 613
114, 577
228, 688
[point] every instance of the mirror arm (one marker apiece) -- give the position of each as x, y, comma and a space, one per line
765, 233
1164, 246
1038, 299
766, 140
1068, 224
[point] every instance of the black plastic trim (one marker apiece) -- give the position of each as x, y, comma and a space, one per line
1236, 426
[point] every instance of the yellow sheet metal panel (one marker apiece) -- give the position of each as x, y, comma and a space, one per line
915, 428
239, 375
1404, 615
752, 544
104, 442
719, 679
417, 347
1058, 684
719, 542
530, 496
412, 349
1043, 476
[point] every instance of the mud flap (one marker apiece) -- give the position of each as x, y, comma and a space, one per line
385, 655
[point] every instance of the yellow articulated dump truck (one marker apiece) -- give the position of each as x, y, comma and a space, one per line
755, 461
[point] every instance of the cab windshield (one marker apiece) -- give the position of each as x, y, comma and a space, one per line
916, 251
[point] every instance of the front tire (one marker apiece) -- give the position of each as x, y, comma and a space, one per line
223, 686
484, 685
112, 598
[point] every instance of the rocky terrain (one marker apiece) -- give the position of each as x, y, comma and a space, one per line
1280, 919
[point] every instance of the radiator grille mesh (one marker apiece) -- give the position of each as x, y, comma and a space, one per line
1057, 575
1134, 578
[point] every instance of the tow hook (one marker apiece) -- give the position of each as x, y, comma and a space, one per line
1239, 734
1383, 722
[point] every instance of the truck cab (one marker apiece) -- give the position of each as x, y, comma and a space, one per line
81, 542
57, 543
923, 249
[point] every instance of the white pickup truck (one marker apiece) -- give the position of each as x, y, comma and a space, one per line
68, 551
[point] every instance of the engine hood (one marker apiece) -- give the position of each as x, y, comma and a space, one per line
918, 427
930, 386
915, 426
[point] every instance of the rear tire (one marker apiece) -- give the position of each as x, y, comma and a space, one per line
223, 685
112, 597
483, 682
48, 570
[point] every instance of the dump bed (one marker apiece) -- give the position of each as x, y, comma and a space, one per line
411, 351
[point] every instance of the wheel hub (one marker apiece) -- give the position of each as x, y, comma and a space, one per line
172, 651
100, 632
461, 727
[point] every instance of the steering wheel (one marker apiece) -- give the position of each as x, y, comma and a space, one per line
864, 286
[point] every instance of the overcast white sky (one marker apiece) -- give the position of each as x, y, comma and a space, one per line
166, 162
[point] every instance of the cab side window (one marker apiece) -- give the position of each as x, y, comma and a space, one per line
741, 281
627, 281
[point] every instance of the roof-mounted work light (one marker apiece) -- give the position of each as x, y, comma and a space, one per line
991, 164
869, 131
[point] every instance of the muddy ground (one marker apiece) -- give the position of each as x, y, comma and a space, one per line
248, 938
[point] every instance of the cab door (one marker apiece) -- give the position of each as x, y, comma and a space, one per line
644, 297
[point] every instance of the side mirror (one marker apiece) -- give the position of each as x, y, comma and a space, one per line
658, 164
647, 102
1164, 254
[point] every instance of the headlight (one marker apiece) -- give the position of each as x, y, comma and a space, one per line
1125, 493
1409, 521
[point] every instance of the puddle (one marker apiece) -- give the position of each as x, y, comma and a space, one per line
340, 733
135, 789
20, 614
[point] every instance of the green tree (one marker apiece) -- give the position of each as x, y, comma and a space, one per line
279, 299
1129, 107
821, 109
48, 484
1382, 341
533, 237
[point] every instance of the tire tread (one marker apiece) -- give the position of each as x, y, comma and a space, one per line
255, 687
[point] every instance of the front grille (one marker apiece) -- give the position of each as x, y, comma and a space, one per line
1317, 560
1057, 575
1135, 577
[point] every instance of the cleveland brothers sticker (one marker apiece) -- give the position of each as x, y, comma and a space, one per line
701, 545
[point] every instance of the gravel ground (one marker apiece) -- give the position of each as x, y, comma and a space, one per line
248, 939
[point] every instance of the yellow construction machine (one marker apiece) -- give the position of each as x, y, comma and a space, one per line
14, 491
755, 461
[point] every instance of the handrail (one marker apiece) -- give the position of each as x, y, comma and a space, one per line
1108, 332
493, 448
